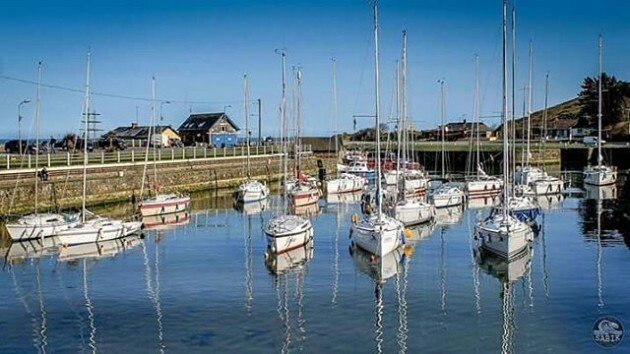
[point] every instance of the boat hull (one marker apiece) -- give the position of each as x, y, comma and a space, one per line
378, 237
504, 238
35, 226
345, 185
287, 232
251, 191
413, 213
97, 231
600, 178
300, 198
483, 189
547, 186
162, 205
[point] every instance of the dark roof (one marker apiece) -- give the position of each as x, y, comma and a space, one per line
203, 122
131, 132
464, 126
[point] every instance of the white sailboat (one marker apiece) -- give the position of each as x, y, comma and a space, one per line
251, 190
502, 233
160, 203
303, 191
409, 208
95, 229
38, 225
286, 232
447, 194
344, 182
479, 184
546, 184
377, 233
600, 175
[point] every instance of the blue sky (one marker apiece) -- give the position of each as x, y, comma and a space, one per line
199, 51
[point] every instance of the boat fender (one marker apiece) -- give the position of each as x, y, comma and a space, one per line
407, 233
355, 218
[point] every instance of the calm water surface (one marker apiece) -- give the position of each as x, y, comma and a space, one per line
206, 286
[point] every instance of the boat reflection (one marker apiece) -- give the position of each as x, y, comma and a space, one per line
448, 216
344, 198
166, 221
284, 262
508, 272
600, 192
480, 203
306, 210
35, 248
549, 201
97, 250
417, 233
250, 208
380, 269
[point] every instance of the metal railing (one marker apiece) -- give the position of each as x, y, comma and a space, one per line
102, 157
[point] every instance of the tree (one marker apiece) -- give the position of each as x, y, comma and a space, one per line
613, 93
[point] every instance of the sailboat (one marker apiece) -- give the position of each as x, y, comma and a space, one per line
38, 225
480, 184
502, 233
546, 184
528, 173
447, 194
286, 232
600, 175
159, 204
97, 228
251, 190
376, 232
409, 208
302, 192
345, 182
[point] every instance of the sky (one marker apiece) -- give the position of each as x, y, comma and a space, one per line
199, 51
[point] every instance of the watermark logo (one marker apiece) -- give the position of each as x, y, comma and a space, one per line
608, 331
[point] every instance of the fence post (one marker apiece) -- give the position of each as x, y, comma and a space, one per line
160, 155
195, 152
118, 156
102, 157
133, 156
172, 153
68, 158
184, 153
29, 161
205, 152
214, 152
48, 157
224, 152
8, 161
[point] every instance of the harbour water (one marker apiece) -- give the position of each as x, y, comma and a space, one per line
203, 284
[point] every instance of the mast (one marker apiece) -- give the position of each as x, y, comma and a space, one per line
298, 118
334, 77
85, 133
514, 89
443, 125
477, 115
544, 137
37, 111
403, 97
152, 135
506, 165
399, 129
599, 105
377, 104
149, 138
283, 118
246, 110
529, 98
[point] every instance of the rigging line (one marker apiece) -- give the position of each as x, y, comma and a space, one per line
111, 95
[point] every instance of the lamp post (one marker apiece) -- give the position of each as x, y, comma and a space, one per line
24, 101
226, 107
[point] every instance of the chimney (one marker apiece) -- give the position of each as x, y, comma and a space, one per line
134, 125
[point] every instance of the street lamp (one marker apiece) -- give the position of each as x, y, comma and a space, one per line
162, 103
226, 107
24, 101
